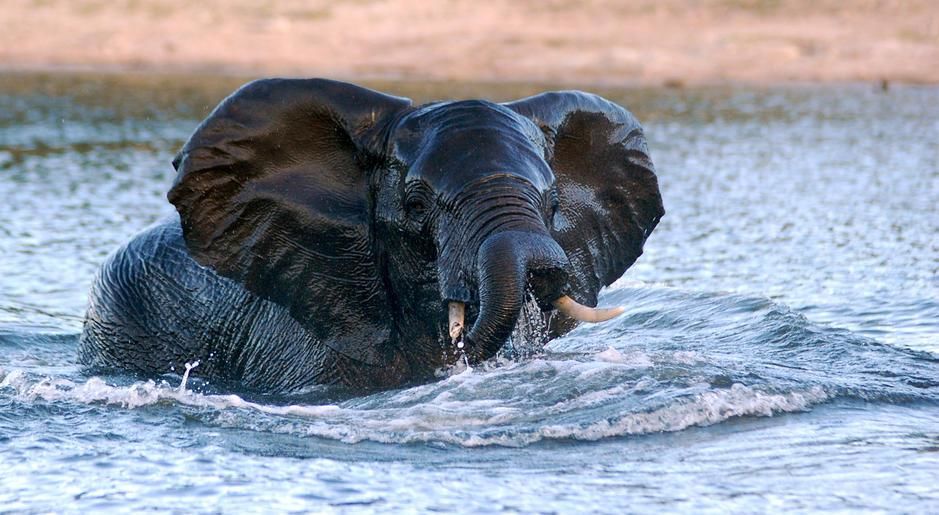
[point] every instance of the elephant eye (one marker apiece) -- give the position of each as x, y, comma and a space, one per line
417, 201
415, 206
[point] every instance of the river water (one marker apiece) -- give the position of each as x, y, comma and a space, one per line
780, 348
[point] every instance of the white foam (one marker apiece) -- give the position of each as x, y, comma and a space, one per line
705, 409
635, 359
96, 391
687, 357
458, 410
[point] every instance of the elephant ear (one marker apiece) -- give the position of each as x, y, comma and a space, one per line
271, 192
609, 200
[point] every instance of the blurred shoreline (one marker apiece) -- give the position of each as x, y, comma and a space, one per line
601, 42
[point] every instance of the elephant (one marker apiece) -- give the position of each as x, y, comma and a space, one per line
330, 234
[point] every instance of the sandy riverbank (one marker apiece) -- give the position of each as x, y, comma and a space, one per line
599, 41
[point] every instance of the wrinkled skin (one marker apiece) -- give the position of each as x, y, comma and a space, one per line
323, 229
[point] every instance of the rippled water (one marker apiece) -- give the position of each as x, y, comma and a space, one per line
780, 348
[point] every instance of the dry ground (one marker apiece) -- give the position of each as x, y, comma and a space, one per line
595, 41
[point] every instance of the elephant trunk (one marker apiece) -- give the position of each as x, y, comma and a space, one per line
507, 262
496, 246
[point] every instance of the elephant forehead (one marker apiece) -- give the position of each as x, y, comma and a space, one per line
454, 124
450, 169
465, 114
451, 145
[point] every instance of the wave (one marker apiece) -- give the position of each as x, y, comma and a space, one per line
675, 360
409, 417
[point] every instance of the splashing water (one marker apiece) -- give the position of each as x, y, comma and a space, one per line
530, 333
437, 413
189, 367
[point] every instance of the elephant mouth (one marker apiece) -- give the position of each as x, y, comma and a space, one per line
543, 286
563, 304
512, 267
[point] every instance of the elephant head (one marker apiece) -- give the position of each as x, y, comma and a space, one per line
370, 219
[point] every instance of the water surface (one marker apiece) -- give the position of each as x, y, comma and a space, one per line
780, 348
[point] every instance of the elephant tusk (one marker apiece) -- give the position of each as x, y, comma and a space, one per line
457, 313
571, 308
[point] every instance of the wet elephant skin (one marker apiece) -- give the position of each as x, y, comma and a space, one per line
323, 228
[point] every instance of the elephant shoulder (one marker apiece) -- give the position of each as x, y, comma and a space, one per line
152, 308
157, 258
